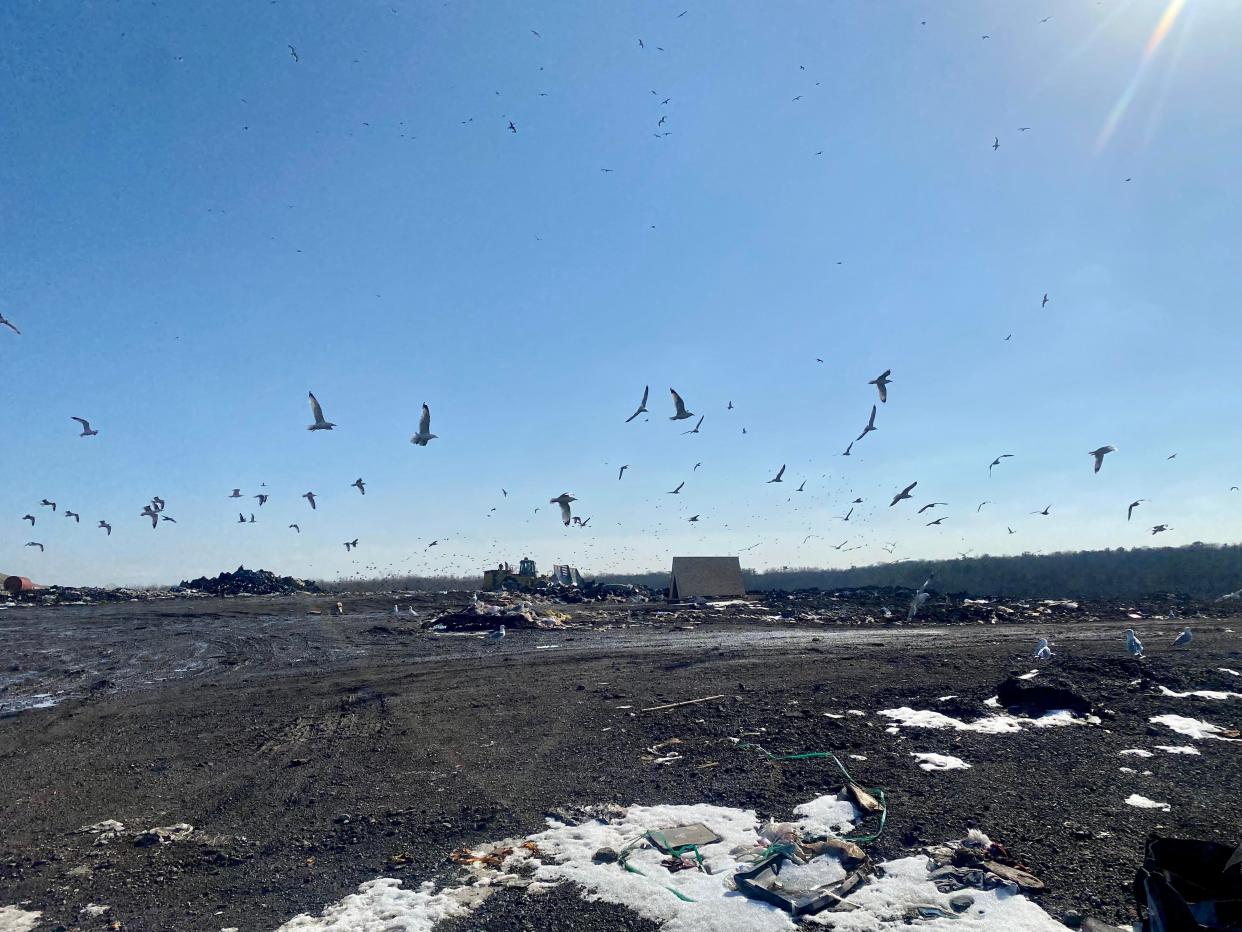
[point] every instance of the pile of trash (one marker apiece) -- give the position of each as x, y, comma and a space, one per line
487, 616
246, 582
89, 595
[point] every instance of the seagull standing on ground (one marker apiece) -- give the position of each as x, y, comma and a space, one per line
317, 411
903, 494
1100, 453
359, 485
1184, 638
496, 636
310, 497
563, 500
881, 383
1133, 644
680, 405
642, 405
870, 426
424, 428
1043, 651
87, 431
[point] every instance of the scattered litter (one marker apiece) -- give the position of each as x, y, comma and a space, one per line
164, 835
92, 911
1200, 694
940, 762
1177, 748
106, 831
1193, 727
1187, 883
677, 705
1142, 802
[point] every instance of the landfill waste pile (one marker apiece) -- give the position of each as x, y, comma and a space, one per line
488, 616
90, 595
247, 582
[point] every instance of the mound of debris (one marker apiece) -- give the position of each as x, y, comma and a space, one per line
249, 582
86, 595
484, 616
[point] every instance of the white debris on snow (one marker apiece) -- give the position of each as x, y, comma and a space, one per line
16, 919
1142, 802
1200, 694
940, 762
826, 814
991, 725
1137, 752
1177, 748
1191, 727
382, 906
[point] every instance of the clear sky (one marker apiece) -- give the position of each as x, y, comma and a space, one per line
196, 229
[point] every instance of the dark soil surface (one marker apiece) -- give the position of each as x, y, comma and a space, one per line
308, 751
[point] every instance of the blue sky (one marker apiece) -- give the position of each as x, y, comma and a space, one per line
198, 229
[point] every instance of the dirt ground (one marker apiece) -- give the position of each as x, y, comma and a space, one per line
310, 751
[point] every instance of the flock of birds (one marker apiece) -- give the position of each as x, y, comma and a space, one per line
1043, 648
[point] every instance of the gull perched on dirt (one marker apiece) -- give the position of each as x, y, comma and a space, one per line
780, 472
563, 500
680, 405
359, 485
424, 428
881, 383
903, 494
1184, 638
1043, 650
496, 636
870, 426
1133, 644
642, 405
317, 411
1100, 453
87, 431
310, 497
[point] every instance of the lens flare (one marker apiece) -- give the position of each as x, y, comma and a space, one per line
1163, 27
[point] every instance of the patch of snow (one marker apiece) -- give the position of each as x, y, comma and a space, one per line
940, 762
1230, 672
1200, 694
1137, 752
993, 703
727, 602
1127, 770
945, 698
991, 725
827, 814
1191, 727
383, 906
1177, 748
16, 919
1029, 676
1142, 802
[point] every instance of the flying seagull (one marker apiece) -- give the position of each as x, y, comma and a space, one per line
35, 543
930, 523
996, 462
1184, 638
621, 471
846, 516
106, 526
931, 505
693, 519
157, 502
642, 405
696, 466
903, 494
74, 515
294, 53
870, 426
563, 500
320, 423
359, 485
296, 528
881, 383
677, 491
1133, 505
995, 139
802, 487
1100, 453
1044, 512
424, 428
1043, 651
1045, 301
236, 493
168, 519
86, 427
251, 521
512, 128
850, 447
30, 518
149, 512
680, 405
310, 497
1160, 529
262, 499
45, 503
241, 518
780, 472
351, 544
981, 504
5, 322
1133, 644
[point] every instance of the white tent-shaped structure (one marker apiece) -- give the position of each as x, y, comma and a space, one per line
706, 577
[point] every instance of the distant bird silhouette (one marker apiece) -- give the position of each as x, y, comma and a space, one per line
362, 486
48, 504
236, 494
995, 139
881, 383
74, 515
1044, 512
996, 462
693, 519
677, 491
1184, 638
87, 431
262, 499
802, 487
351, 544
294, 53
317, 411
158, 503
903, 494
251, 521
1133, 505
1100, 453
696, 466
696, 427
5, 322
30, 518
296, 528
149, 512
779, 473
850, 447
1160, 529
35, 543
241, 518
168, 519
680, 405
870, 426
424, 435
981, 504
931, 505
106, 526
512, 128
1044, 302
930, 523
310, 497
1010, 530
729, 407
642, 405
1171, 456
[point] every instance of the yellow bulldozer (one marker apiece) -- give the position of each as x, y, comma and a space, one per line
503, 577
